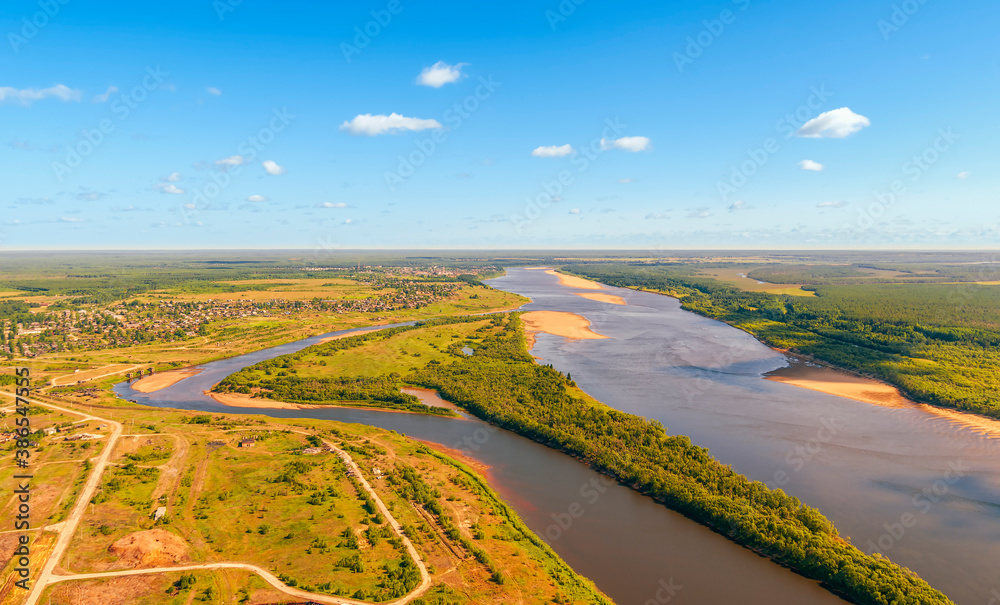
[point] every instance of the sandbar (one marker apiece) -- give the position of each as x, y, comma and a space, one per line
238, 400
339, 336
834, 381
838, 382
571, 281
604, 298
559, 323
162, 380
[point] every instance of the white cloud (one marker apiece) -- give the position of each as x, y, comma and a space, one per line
699, 213
553, 151
964, 175
575, 211
332, 205
236, 160
811, 165
256, 198
27, 96
173, 178
440, 73
168, 188
272, 168
834, 124
90, 196
374, 125
213, 91
103, 98
349, 221
630, 144
739, 205
657, 216
627, 181
831, 204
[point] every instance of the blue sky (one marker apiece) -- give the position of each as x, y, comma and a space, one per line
586, 124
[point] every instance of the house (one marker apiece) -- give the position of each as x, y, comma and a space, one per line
51, 430
247, 443
159, 513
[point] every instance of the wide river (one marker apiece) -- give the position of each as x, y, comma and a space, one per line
921, 488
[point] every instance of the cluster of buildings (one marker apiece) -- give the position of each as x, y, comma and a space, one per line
134, 322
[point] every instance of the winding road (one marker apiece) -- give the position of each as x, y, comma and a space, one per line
67, 529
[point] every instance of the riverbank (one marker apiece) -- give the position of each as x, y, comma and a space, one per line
237, 400
557, 323
572, 281
154, 383
807, 374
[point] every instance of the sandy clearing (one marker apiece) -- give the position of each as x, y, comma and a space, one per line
604, 298
571, 281
162, 380
559, 323
862, 390
833, 381
245, 401
340, 336
838, 382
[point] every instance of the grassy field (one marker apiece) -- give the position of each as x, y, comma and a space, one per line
298, 515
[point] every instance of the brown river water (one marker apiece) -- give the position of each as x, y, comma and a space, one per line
920, 487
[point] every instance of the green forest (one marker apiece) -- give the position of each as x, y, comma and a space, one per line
501, 383
939, 343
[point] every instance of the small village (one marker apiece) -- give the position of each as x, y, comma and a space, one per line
123, 324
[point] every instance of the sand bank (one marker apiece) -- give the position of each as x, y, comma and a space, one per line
604, 298
339, 336
571, 281
838, 382
559, 323
458, 455
154, 383
238, 400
